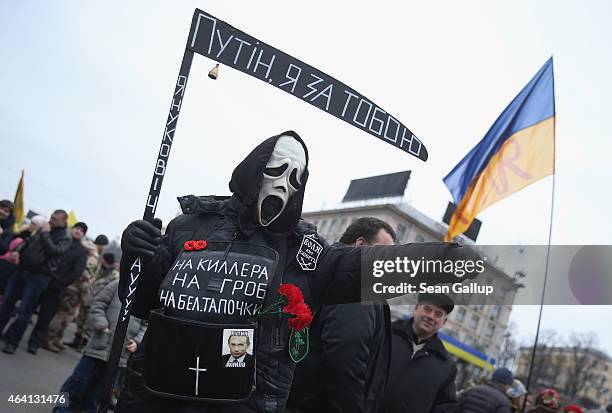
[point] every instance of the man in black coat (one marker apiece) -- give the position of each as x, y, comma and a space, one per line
7, 220
71, 267
187, 302
490, 397
346, 369
39, 257
422, 376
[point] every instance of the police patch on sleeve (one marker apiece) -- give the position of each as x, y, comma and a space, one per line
309, 252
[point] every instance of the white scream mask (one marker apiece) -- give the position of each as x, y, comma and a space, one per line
281, 179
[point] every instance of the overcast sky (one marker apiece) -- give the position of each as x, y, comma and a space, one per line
86, 90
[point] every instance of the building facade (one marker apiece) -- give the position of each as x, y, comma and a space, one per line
579, 374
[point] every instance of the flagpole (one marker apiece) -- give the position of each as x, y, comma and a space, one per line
552, 209
123, 320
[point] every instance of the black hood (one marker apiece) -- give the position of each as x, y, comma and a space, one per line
247, 180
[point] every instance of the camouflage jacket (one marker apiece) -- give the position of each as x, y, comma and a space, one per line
103, 277
77, 292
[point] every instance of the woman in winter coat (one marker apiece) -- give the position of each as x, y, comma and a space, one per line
84, 385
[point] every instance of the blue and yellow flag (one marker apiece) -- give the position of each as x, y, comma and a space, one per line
518, 150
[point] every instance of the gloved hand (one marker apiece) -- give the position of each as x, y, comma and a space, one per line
142, 238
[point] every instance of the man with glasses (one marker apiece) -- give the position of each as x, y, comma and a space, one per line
422, 373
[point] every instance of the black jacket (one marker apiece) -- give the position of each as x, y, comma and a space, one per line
336, 279
274, 369
41, 253
72, 264
486, 398
347, 367
421, 383
7, 233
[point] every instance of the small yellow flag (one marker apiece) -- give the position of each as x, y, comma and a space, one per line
72, 219
18, 202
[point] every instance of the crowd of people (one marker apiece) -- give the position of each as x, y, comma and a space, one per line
63, 277
359, 360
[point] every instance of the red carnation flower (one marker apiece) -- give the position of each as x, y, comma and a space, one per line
188, 245
302, 317
293, 295
200, 244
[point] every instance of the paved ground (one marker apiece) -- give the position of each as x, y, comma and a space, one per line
43, 374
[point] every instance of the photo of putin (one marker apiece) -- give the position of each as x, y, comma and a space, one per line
238, 346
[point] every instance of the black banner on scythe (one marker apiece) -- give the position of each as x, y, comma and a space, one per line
225, 44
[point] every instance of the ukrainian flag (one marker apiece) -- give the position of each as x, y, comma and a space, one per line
518, 150
467, 353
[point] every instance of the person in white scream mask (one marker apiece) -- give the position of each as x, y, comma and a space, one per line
281, 179
263, 214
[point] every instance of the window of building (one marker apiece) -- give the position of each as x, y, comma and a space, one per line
400, 231
495, 311
323, 224
332, 226
474, 321
460, 315
419, 238
490, 330
342, 226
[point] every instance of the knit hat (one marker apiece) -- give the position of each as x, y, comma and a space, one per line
503, 375
101, 240
574, 408
549, 398
109, 257
81, 225
516, 390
